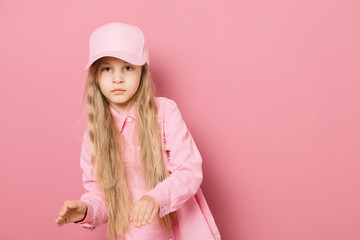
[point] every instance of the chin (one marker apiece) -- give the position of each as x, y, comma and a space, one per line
120, 102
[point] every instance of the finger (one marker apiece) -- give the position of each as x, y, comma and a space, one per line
147, 210
135, 214
142, 209
64, 219
138, 214
147, 214
153, 215
63, 223
60, 222
63, 209
132, 214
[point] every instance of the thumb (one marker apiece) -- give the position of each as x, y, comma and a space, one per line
73, 205
63, 210
66, 207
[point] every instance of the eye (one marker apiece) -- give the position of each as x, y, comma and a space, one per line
106, 69
128, 68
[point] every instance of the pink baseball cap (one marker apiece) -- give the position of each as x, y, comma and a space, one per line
119, 40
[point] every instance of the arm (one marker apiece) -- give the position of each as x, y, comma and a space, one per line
185, 164
96, 209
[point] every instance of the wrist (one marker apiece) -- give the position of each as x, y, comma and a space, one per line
85, 214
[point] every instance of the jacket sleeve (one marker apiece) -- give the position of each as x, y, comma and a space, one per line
184, 164
93, 197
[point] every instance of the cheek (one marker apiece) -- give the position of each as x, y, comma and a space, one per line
135, 82
104, 82
103, 86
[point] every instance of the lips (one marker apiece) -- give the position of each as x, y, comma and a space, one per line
118, 90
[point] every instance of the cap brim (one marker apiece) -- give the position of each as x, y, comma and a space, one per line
125, 56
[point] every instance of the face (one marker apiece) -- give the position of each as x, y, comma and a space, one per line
119, 81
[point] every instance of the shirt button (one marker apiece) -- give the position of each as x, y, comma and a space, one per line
171, 238
129, 119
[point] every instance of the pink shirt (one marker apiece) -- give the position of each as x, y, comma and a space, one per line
179, 192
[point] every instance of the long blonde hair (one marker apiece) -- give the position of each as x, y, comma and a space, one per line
107, 148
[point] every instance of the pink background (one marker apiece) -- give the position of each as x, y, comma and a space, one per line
268, 89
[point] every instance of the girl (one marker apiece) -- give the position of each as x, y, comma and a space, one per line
141, 167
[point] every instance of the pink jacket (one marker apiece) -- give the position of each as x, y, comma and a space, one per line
179, 192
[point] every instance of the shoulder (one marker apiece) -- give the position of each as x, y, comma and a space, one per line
164, 100
165, 104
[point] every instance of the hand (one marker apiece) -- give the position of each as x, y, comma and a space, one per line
71, 211
144, 211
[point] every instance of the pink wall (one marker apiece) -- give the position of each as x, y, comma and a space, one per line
269, 91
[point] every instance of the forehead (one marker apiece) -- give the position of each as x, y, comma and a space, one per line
110, 60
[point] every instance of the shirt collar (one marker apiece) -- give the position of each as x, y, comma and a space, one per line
120, 119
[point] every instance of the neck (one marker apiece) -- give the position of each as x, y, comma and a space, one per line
122, 109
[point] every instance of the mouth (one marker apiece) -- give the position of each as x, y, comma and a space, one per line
118, 90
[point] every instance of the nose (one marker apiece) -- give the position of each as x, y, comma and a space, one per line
118, 77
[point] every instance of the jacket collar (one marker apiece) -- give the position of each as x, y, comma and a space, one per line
120, 119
